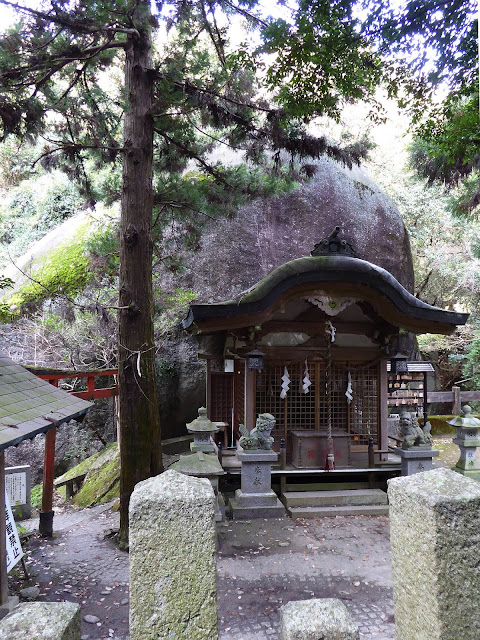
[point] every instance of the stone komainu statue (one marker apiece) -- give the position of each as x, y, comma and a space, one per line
413, 434
259, 437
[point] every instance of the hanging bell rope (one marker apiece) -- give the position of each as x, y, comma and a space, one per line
330, 336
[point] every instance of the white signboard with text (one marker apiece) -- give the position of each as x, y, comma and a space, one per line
14, 548
16, 486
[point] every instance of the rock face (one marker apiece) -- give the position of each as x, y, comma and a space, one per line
236, 254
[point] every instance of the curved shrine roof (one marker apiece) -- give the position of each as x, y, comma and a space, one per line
333, 275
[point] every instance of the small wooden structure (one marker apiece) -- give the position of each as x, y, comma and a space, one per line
326, 327
30, 406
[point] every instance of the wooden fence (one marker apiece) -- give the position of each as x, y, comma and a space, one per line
455, 397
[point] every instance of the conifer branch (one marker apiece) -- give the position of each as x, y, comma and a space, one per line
63, 20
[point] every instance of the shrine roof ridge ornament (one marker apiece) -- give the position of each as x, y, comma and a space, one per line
339, 275
333, 245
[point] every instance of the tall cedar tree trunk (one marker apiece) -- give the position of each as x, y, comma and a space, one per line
140, 440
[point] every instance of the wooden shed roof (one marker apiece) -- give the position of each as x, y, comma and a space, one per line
29, 405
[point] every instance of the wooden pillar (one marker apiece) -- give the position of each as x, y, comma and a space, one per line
91, 387
208, 389
45, 526
383, 404
425, 398
249, 398
457, 405
3, 549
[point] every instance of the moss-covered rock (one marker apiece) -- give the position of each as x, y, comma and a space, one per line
102, 477
440, 425
64, 271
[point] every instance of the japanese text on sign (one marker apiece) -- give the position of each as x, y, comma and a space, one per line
14, 548
16, 485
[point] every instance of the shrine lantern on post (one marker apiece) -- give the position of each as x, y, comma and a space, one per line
255, 359
467, 439
398, 364
202, 429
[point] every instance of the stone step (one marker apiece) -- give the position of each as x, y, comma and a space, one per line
339, 498
330, 512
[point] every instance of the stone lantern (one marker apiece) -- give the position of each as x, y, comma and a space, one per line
202, 429
467, 439
203, 465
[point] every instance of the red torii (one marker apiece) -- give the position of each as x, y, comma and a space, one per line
53, 376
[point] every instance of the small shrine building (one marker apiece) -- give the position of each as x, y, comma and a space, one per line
324, 328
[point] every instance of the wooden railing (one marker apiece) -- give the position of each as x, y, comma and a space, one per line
92, 393
455, 397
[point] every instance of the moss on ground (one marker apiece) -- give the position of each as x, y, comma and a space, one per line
93, 462
440, 425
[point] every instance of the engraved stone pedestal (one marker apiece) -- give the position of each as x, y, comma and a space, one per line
416, 459
256, 499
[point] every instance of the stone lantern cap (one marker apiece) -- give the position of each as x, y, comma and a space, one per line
466, 420
198, 464
202, 424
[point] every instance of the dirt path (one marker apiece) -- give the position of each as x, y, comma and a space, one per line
261, 565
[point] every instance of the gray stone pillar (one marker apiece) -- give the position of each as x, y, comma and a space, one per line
256, 499
173, 590
416, 459
325, 619
434, 529
41, 620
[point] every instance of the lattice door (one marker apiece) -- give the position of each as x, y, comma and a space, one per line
299, 410
221, 401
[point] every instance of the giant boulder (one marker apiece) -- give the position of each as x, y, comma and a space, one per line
264, 234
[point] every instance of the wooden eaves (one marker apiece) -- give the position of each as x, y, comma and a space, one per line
336, 275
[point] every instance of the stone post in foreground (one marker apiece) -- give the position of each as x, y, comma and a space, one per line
42, 621
435, 538
173, 591
317, 619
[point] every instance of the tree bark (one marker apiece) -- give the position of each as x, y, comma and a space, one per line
139, 420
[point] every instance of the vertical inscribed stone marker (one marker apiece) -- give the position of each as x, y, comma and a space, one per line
173, 591
435, 538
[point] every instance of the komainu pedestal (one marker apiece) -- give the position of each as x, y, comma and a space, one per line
256, 499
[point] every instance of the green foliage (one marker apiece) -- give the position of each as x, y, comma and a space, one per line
440, 41
17, 162
5, 283
36, 496
321, 60
446, 150
170, 308
103, 245
34, 207
471, 366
